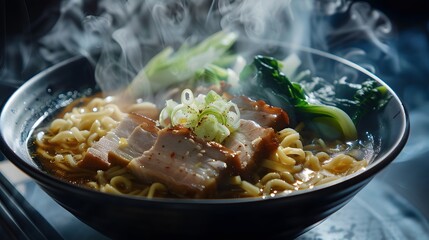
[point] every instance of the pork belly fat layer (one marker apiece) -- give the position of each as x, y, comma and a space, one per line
96, 157
140, 140
188, 166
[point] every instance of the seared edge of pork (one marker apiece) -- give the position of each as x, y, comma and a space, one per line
262, 113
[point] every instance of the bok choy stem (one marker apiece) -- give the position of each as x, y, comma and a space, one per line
169, 67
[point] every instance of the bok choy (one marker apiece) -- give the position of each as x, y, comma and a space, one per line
265, 79
265, 75
169, 67
370, 97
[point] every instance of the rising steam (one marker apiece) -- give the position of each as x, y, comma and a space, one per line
119, 37
127, 33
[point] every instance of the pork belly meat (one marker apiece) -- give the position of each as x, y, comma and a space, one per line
187, 165
141, 139
252, 143
262, 113
96, 157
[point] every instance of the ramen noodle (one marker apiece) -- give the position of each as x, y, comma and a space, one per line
297, 163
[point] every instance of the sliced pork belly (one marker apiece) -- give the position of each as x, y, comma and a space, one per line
140, 140
96, 157
187, 165
252, 143
262, 113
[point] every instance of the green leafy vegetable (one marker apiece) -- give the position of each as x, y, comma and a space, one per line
265, 73
169, 67
370, 97
211, 62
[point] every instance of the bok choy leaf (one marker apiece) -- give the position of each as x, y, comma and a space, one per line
370, 97
265, 76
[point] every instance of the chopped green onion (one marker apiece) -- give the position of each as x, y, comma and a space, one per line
210, 116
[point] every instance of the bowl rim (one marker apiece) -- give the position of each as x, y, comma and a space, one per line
45, 179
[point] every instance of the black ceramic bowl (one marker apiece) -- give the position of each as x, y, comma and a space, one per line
120, 217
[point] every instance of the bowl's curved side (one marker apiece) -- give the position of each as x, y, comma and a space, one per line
34, 101
287, 218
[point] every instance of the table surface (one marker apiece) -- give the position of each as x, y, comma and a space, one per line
379, 211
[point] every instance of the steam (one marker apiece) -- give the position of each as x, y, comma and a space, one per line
119, 37
258, 19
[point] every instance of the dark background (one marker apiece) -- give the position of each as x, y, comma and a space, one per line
24, 22
409, 174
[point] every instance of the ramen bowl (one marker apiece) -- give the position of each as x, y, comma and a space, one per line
119, 216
